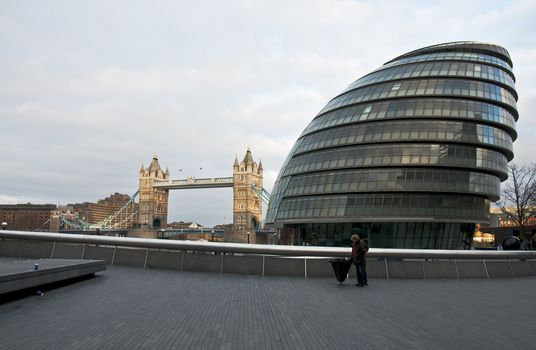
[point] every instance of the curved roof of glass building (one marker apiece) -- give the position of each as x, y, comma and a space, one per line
426, 137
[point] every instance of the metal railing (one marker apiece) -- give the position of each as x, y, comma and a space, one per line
264, 249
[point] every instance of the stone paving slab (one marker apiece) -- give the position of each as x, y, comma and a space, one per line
134, 308
19, 274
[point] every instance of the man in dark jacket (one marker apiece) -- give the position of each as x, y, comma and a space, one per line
359, 250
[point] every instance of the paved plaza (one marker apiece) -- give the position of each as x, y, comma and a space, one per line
133, 308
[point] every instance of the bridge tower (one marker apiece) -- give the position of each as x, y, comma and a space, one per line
247, 206
153, 206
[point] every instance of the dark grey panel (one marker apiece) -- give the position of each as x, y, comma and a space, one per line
36, 249
319, 268
405, 269
523, 268
164, 260
471, 269
130, 257
284, 266
202, 262
440, 269
375, 269
11, 247
67, 251
99, 253
246, 265
498, 269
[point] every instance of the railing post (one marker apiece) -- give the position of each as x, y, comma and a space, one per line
113, 256
485, 267
456, 267
423, 270
146, 257
511, 269
52, 252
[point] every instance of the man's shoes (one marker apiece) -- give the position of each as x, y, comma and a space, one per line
359, 285
366, 284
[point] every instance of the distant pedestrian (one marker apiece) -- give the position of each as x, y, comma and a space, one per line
513, 242
359, 250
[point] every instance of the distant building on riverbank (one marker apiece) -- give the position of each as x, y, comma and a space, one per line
26, 217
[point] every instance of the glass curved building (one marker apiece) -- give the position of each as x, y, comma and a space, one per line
408, 156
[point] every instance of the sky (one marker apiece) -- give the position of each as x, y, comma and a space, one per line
90, 90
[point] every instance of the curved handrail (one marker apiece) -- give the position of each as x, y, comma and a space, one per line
265, 249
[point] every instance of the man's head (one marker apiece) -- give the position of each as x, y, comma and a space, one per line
515, 232
355, 238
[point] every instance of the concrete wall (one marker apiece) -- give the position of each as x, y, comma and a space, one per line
318, 267
266, 265
130, 257
11, 248
245, 265
440, 269
99, 253
279, 266
202, 262
169, 260
67, 251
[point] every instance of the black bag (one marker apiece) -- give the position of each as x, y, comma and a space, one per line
511, 243
341, 268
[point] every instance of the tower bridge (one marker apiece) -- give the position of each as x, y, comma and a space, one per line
152, 210
247, 184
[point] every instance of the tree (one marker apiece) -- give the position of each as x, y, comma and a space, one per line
518, 197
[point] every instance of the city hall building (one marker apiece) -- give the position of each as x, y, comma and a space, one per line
408, 156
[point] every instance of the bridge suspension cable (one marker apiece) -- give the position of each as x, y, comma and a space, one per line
125, 214
122, 218
261, 193
73, 222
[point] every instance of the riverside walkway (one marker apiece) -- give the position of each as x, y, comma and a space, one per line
135, 308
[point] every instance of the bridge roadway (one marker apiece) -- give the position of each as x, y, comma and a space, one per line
192, 182
134, 308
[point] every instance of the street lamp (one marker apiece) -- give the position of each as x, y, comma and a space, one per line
4, 225
248, 237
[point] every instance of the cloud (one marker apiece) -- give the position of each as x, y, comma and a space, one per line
90, 90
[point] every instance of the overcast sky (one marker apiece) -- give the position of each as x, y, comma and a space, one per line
90, 90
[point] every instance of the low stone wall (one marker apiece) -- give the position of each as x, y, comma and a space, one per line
308, 267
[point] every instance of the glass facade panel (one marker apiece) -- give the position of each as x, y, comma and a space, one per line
414, 130
437, 69
409, 156
395, 179
433, 87
415, 108
440, 205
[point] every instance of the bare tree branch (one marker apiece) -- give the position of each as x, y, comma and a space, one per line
519, 195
